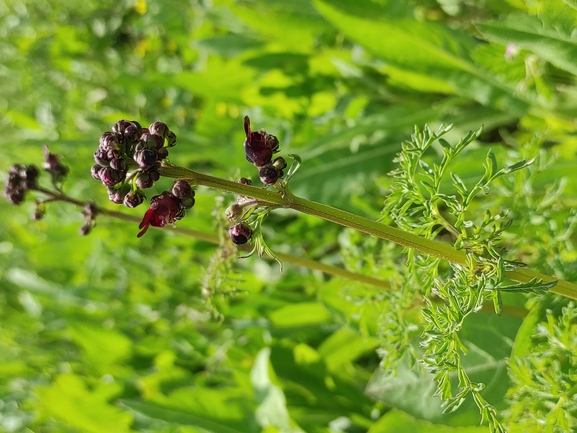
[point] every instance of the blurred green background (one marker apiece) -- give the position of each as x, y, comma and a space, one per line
110, 333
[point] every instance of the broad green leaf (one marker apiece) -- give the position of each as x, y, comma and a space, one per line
532, 33
102, 346
345, 346
428, 48
69, 400
300, 23
300, 315
229, 45
180, 417
272, 406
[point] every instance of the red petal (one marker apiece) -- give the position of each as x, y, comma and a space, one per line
145, 223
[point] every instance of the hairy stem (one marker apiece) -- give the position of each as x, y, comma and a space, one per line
288, 200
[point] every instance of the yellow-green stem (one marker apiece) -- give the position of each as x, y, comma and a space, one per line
289, 201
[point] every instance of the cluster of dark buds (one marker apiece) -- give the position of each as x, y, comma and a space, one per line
168, 207
129, 146
259, 147
21, 178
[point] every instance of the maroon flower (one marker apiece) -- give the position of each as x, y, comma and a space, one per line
164, 209
258, 146
240, 233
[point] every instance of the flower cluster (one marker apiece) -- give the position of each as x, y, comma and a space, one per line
168, 207
21, 178
259, 148
128, 146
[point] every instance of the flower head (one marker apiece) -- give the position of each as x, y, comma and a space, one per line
164, 209
258, 146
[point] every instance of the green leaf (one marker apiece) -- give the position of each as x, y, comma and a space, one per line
491, 164
69, 400
180, 417
300, 315
229, 45
102, 346
487, 338
544, 39
345, 346
396, 421
429, 48
272, 406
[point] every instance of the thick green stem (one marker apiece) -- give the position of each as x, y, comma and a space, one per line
362, 224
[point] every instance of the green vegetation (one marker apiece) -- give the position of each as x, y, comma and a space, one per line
471, 329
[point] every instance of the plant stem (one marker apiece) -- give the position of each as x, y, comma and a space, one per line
214, 239
508, 310
286, 199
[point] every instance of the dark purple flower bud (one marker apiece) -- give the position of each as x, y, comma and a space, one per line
162, 153
153, 141
257, 145
110, 177
53, 165
272, 141
171, 139
90, 211
164, 209
240, 233
116, 195
269, 174
133, 131
120, 126
95, 171
187, 202
113, 154
109, 141
86, 227
159, 128
146, 157
154, 174
17, 169
14, 196
182, 189
118, 164
101, 157
144, 181
31, 174
134, 198
245, 181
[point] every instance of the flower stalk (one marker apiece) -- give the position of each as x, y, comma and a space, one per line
285, 199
